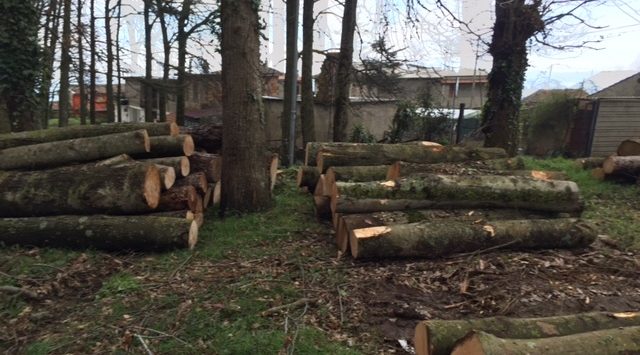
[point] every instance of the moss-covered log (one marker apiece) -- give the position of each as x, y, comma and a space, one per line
599, 342
312, 148
181, 165
83, 189
448, 191
628, 166
308, 177
356, 173
210, 164
53, 154
435, 240
10, 140
100, 232
322, 207
437, 337
350, 222
168, 146
384, 154
197, 180
590, 163
179, 198
401, 169
629, 147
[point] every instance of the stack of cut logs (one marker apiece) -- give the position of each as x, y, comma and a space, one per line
133, 186
585, 333
623, 167
422, 199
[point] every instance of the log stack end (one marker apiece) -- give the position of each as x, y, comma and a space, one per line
152, 186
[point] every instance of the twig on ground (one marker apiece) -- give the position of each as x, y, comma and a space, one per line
144, 344
19, 291
340, 303
295, 304
164, 334
173, 274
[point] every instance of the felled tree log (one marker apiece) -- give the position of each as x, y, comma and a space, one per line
385, 154
349, 222
210, 164
437, 239
401, 169
600, 342
100, 232
187, 215
322, 207
447, 191
308, 177
205, 136
46, 155
628, 166
437, 337
117, 160
197, 180
207, 199
217, 194
590, 163
84, 189
168, 146
167, 176
312, 148
273, 161
356, 173
322, 188
179, 198
629, 147
10, 140
181, 165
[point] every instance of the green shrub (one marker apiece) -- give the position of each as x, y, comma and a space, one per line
359, 134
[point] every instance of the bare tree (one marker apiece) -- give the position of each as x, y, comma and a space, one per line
306, 109
65, 65
166, 65
111, 117
246, 183
92, 64
81, 65
290, 78
50, 40
343, 80
148, 89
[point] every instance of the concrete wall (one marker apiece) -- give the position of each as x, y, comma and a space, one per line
376, 117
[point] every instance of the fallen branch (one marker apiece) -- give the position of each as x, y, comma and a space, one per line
19, 291
295, 304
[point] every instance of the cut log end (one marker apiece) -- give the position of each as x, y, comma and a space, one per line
168, 176
185, 166
152, 186
273, 170
363, 233
217, 194
188, 146
174, 129
193, 235
147, 141
469, 345
421, 339
394, 171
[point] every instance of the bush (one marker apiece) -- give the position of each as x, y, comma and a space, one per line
548, 124
359, 134
419, 121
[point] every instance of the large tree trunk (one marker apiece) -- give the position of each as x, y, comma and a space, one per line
65, 65
70, 151
601, 342
312, 148
627, 166
437, 239
384, 154
437, 337
450, 191
111, 117
168, 146
210, 164
290, 78
81, 65
306, 108
179, 164
148, 58
246, 182
60, 134
401, 169
85, 189
92, 64
515, 23
343, 80
115, 233
205, 136
629, 147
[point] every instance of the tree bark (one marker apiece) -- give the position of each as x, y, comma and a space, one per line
307, 104
113, 233
166, 46
627, 166
343, 80
450, 191
209, 164
356, 173
84, 189
308, 177
437, 337
65, 65
148, 88
186, 215
111, 117
402, 169
322, 207
198, 180
590, 163
81, 65
390, 153
437, 239
48, 58
179, 198
629, 147
70, 151
205, 136
92, 64
290, 76
246, 182
179, 164
59, 134
168, 146
312, 148
600, 342
515, 23
182, 37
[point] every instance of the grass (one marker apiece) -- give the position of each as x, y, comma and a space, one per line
73, 121
613, 207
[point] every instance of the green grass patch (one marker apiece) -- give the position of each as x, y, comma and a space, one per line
73, 121
119, 284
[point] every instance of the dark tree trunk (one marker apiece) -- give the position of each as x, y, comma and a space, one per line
306, 109
343, 80
182, 37
92, 65
166, 46
290, 76
48, 57
65, 64
515, 23
118, 66
148, 88
246, 182
81, 85
107, 27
